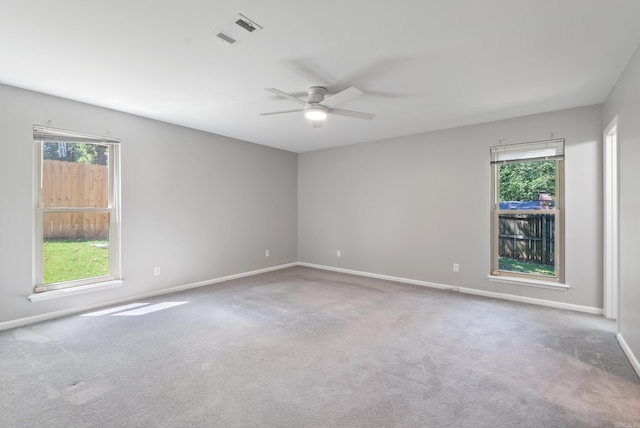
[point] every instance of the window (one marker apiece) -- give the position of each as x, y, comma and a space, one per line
77, 209
527, 210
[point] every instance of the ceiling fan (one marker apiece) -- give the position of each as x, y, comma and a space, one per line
317, 107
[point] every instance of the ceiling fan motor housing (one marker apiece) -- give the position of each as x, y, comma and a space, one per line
313, 109
318, 106
316, 94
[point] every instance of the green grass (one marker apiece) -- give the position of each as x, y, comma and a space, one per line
520, 266
67, 260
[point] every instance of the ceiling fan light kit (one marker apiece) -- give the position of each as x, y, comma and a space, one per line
315, 113
317, 107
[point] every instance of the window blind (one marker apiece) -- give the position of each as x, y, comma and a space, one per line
46, 134
526, 152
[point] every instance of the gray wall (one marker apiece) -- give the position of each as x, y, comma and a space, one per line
624, 100
203, 206
411, 207
198, 205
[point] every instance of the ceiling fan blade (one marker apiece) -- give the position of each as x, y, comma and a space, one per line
309, 71
350, 113
285, 95
295, 94
281, 112
341, 97
318, 123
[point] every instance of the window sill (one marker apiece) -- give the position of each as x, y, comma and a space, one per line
529, 282
72, 291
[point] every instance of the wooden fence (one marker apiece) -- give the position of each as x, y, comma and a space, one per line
529, 237
73, 185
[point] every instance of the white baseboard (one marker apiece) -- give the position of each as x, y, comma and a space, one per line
213, 281
45, 317
503, 296
378, 276
58, 314
629, 353
51, 315
533, 301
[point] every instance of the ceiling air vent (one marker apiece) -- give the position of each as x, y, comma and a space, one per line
237, 29
226, 38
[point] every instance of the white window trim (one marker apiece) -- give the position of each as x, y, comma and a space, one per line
537, 283
541, 281
114, 279
72, 291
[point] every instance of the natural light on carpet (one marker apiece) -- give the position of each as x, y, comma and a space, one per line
133, 309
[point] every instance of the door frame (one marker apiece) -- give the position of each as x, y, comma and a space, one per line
610, 221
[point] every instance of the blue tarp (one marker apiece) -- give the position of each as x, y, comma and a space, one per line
522, 205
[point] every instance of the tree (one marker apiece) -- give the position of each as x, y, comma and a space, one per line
75, 152
525, 181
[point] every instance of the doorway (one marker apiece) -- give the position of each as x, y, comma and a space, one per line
611, 282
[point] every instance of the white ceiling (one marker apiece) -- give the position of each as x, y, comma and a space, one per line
423, 64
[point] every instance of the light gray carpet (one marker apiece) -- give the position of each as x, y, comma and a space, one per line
308, 348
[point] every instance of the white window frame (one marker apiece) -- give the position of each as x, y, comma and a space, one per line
529, 152
42, 134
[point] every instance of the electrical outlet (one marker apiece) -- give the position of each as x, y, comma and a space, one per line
456, 267
156, 271
266, 253
338, 253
